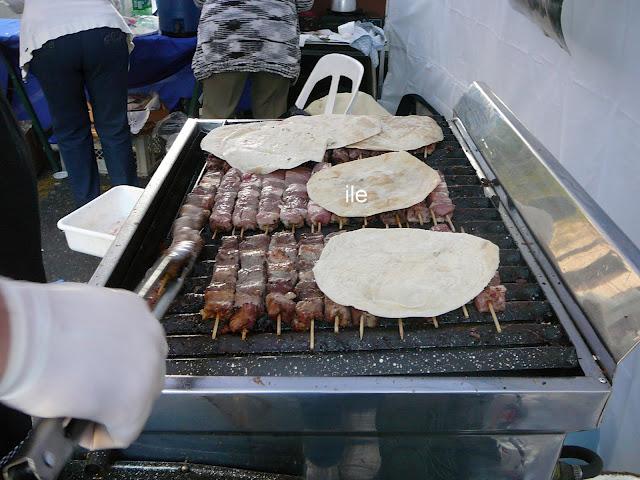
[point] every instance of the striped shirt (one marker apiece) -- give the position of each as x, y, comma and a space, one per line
249, 36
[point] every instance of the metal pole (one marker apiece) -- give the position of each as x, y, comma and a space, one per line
37, 126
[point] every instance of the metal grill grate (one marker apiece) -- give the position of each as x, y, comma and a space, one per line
532, 341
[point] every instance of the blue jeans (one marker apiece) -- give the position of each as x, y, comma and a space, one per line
96, 60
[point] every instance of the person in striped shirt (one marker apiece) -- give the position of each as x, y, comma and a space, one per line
241, 39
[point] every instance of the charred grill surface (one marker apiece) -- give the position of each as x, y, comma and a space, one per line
532, 341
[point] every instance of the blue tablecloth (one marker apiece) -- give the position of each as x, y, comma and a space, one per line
158, 63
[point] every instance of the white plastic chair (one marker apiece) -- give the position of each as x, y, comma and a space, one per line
334, 65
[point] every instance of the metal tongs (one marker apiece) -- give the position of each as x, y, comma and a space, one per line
52, 441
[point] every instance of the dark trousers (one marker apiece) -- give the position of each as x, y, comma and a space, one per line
96, 60
20, 251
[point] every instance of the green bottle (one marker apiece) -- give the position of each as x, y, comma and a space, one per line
141, 7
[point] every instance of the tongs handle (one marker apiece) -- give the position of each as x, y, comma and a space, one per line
45, 452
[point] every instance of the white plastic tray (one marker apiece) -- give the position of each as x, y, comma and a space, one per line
92, 228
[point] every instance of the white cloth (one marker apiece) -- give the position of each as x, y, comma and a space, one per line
44, 20
584, 107
78, 351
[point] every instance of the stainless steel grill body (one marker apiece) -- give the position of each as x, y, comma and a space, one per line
460, 401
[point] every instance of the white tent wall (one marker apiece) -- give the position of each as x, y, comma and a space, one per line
583, 106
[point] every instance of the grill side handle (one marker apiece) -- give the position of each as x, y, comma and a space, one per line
597, 263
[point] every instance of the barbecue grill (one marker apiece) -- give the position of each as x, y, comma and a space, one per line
458, 401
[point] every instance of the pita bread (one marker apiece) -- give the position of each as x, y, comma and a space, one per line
403, 134
341, 130
263, 147
364, 104
392, 181
405, 272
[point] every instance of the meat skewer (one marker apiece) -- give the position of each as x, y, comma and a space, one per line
295, 198
220, 294
492, 299
250, 289
282, 278
221, 219
310, 306
401, 328
316, 215
246, 208
394, 216
273, 185
439, 202
418, 213
187, 241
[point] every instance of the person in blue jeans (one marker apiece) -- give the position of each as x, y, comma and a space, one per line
74, 48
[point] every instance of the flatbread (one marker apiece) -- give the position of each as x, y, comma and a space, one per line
364, 104
263, 147
405, 272
342, 130
402, 134
392, 181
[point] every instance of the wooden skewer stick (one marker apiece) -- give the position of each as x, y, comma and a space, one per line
448, 218
433, 217
420, 219
279, 325
336, 324
364, 222
319, 230
244, 334
398, 221
340, 222
266, 230
312, 333
215, 232
361, 326
313, 228
233, 231
425, 152
386, 225
435, 322
495, 318
401, 328
242, 232
293, 229
214, 333
359, 156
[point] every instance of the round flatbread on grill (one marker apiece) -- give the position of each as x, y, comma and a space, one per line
391, 181
263, 147
341, 130
403, 133
405, 272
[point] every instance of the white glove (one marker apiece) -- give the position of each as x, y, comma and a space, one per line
84, 352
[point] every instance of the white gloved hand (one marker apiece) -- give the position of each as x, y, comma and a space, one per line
84, 352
